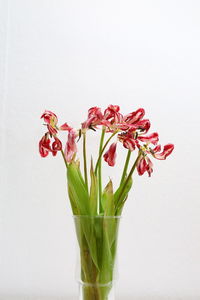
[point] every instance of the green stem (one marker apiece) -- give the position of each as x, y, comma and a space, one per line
128, 178
99, 168
63, 155
100, 155
125, 166
85, 160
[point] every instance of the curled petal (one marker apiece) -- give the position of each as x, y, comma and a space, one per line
110, 155
152, 138
49, 117
167, 150
143, 125
135, 116
95, 117
112, 114
145, 165
129, 143
65, 127
157, 149
52, 130
56, 145
128, 140
44, 146
71, 147
95, 112
51, 120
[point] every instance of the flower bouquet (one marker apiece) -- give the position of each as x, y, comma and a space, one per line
97, 209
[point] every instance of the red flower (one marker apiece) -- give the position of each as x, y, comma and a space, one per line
151, 138
51, 120
45, 145
110, 155
167, 150
112, 114
49, 117
135, 116
145, 165
95, 117
71, 147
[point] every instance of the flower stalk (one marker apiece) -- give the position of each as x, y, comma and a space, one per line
85, 160
101, 152
125, 166
99, 167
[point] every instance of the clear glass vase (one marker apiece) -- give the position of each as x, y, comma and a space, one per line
97, 247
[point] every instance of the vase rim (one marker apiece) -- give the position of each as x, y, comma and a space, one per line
94, 217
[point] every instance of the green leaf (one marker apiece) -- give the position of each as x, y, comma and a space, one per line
108, 200
77, 189
93, 191
121, 195
80, 201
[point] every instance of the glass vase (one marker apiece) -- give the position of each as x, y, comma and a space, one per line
97, 247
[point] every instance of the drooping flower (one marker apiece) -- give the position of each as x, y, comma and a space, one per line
112, 114
167, 150
145, 165
134, 117
95, 117
49, 117
45, 145
71, 147
110, 155
51, 120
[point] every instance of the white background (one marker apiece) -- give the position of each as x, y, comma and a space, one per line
68, 56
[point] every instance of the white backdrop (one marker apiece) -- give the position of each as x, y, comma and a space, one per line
68, 56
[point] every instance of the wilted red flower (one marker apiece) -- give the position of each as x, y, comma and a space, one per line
145, 165
49, 117
112, 114
134, 117
51, 120
110, 155
45, 145
95, 117
71, 147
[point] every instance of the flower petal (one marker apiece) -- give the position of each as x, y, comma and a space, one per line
110, 155
44, 146
167, 150
145, 165
135, 116
152, 138
71, 147
65, 126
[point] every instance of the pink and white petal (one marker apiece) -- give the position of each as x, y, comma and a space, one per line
167, 150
